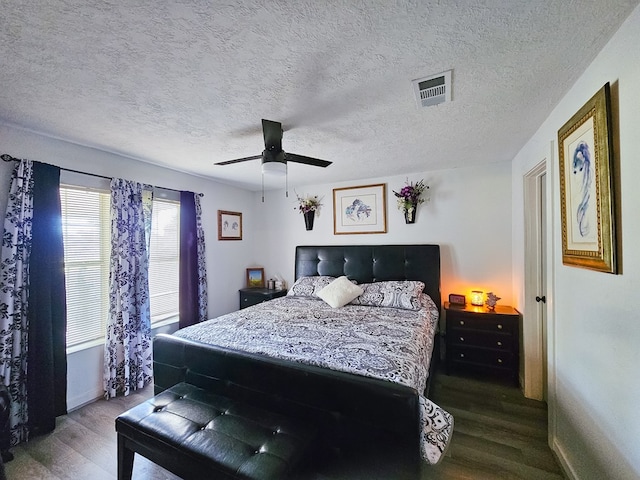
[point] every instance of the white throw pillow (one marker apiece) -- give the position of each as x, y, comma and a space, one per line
340, 292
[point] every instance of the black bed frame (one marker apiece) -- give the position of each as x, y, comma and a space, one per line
340, 402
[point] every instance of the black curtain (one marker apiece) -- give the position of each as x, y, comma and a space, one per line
189, 303
47, 358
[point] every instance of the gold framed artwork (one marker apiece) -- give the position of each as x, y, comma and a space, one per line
586, 186
255, 277
229, 225
360, 209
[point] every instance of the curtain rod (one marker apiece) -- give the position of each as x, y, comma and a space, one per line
9, 158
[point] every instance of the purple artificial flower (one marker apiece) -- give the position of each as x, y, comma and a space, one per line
409, 195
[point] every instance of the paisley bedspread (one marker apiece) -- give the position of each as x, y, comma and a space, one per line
386, 343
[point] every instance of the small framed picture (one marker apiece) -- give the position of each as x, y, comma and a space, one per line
457, 299
229, 225
255, 277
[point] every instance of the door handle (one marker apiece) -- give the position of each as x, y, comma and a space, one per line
542, 299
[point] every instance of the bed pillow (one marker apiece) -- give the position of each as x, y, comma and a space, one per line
309, 286
340, 292
403, 294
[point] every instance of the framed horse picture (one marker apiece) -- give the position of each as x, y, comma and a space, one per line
587, 187
360, 209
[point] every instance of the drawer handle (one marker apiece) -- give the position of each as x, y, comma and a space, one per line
499, 360
462, 339
461, 322
499, 344
499, 326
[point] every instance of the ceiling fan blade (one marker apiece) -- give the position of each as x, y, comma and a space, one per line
316, 162
238, 160
272, 132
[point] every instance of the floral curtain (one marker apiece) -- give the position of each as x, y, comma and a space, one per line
202, 264
128, 353
14, 296
33, 362
193, 271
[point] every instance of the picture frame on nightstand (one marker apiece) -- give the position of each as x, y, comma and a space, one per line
255, 277
457, 299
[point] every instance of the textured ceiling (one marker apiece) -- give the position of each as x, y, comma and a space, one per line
185, 83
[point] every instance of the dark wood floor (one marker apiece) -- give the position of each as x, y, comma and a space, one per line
498, 435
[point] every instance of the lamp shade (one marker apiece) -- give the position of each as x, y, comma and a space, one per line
477, 298
274, 168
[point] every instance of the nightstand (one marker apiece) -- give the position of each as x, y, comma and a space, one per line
253, 296
483, 341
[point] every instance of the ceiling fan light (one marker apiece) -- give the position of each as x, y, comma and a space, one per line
274, 168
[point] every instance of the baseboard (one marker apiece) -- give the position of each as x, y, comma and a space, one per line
83, 399
558, 451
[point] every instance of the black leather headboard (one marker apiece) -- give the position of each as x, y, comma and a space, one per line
373, 263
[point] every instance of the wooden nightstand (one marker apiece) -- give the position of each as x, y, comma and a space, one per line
253, 296
483, 341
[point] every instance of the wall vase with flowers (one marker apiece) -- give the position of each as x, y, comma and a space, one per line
308, 219
409, 197
410, 215
308, 206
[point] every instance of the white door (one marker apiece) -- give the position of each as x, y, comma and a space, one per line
541, 298
534, 327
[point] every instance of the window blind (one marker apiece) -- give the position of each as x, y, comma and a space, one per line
85, 233
164, 256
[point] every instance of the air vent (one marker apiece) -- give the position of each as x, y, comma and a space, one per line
433, 90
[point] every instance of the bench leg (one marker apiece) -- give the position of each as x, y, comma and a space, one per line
125, 460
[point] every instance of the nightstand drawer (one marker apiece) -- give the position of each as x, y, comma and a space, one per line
248, 300
496, 341
253, 296
489, 323
482, 356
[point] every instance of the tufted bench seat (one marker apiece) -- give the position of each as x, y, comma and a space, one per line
199, 435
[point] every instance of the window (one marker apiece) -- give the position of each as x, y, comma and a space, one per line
86, 236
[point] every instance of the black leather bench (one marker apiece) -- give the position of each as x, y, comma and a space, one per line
199, 435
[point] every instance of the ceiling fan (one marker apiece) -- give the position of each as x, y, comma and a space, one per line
274, 159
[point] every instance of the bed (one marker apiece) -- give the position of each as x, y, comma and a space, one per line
348, 369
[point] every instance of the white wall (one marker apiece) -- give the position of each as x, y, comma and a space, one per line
594, 390
469, 216
226, 261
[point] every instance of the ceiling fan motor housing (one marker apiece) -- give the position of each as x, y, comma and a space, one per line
269, 156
